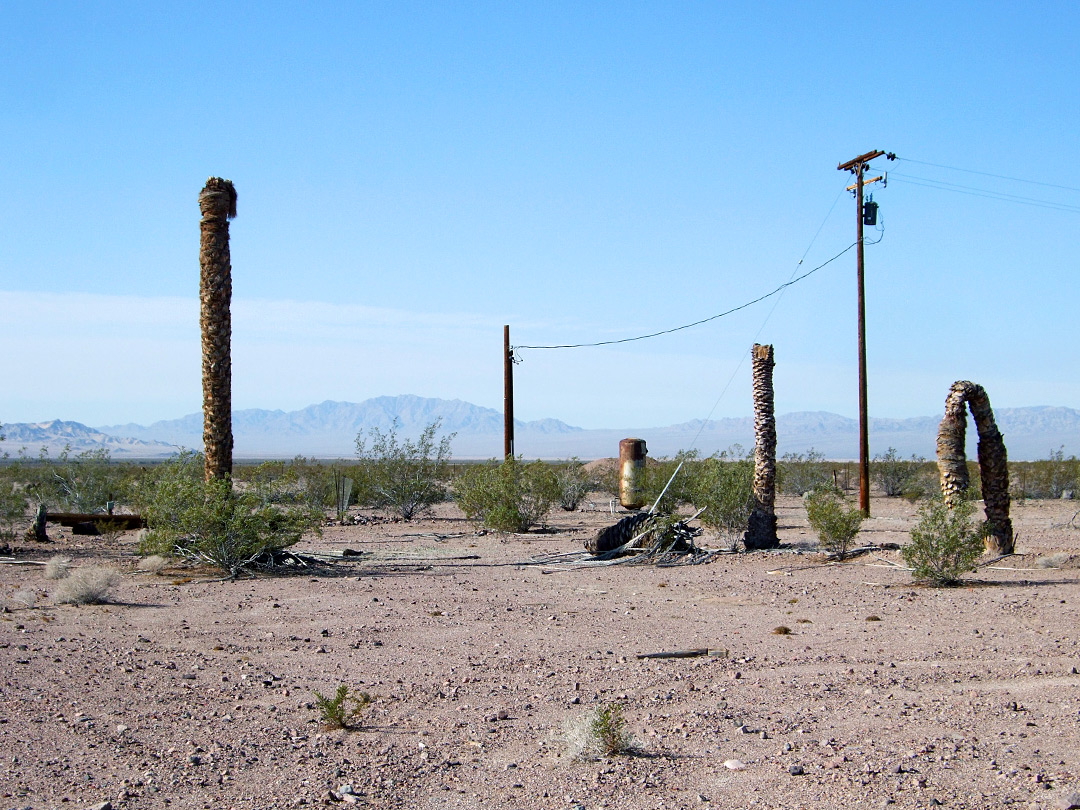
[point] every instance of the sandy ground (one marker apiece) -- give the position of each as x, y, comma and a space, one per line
191, 693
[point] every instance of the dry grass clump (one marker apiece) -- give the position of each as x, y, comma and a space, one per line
154, 564
57, 567
602, 732
782, 630
24, 597
86, 586
1059, 560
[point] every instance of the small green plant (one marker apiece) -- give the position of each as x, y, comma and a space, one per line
835, 523
897, 476
602, 732
507, 496
945, 543
573, 484
341, 710
404, 476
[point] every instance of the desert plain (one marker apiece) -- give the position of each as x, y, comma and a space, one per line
482, 654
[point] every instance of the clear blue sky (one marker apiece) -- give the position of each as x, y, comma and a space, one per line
413, 176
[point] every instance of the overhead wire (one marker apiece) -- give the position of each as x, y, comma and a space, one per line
989, 174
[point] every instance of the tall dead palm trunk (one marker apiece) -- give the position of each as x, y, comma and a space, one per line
761, 531
993, 461
217, 201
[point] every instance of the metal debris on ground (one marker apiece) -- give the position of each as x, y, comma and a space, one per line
639, 539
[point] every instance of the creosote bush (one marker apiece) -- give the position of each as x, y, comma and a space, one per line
341, 710
86, 586
723, 485
507, 496
835, 523
945, 543
897, 476
797, 474
573, 484
209, 522
401, 475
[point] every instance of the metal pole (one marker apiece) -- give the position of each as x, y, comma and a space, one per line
508, 395
864, 430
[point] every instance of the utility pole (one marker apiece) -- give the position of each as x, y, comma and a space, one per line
508, 395
857, 166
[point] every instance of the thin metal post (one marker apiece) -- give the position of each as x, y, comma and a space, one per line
508, 395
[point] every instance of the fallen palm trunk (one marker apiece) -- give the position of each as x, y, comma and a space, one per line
660, 539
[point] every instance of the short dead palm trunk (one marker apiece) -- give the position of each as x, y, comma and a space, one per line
993, 461
761, 532
218, 204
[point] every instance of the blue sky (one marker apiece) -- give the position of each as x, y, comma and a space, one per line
413, 176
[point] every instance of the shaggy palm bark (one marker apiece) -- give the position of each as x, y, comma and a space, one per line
218, 204
761, 529
993, 461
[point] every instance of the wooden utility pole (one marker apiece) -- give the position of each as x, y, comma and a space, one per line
508, 395
857, 166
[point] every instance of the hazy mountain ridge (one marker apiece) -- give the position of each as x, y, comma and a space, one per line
329, 429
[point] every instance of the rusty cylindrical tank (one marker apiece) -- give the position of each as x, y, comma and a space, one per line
632, 473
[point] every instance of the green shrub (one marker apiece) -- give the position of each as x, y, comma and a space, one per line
12, 508
340, 710
835, 523
658, 472
798, 474
602, 732
573, 484
724, 488
897, 476
945, 543
507, 496
404, 476
1054, 476
209, 522
86, 482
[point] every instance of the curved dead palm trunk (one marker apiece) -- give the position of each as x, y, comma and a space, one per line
761, 531
217, 201
993, 461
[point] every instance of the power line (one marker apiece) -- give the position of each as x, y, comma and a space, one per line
759, 299
989, 174
986, 193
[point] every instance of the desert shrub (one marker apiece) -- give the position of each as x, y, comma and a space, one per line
897, 476
340, 710
404, 476
945, 543
209, 522
13, 504
86, 586
602, 732
835, 523
658, 473
723, 486
1055, 476
573, 484
87, 482
797, 474
24, 597
57, 567
152, 564
507, 496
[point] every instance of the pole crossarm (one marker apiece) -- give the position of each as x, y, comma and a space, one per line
855, 164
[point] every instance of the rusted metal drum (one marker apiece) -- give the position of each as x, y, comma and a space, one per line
632, 473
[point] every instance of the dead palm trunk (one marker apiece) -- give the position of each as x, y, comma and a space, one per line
217, 201
761, 531
993, 461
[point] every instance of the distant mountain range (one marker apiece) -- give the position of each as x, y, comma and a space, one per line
329, 430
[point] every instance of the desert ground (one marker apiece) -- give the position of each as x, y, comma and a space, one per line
187, 691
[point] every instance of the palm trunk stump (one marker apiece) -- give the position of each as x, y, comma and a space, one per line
761, 529
218, 204
993, 461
